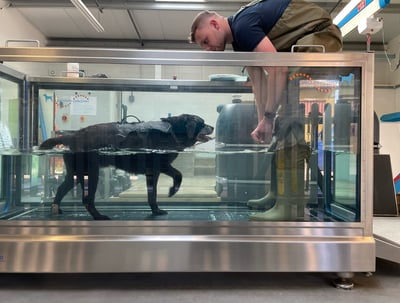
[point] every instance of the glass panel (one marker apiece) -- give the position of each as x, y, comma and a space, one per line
9, 111
310, 172
9, 142
333, 103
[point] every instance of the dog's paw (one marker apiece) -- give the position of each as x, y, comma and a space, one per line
159, 212
95, 213
173, 190
101, 217
55, 209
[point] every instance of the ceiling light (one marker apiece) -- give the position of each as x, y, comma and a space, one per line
189, 1
355, 11
88, 15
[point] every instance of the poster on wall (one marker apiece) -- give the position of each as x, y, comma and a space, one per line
83, 105
75, 111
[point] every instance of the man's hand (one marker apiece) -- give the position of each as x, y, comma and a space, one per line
263, 132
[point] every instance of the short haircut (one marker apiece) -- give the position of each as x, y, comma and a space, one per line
197, 21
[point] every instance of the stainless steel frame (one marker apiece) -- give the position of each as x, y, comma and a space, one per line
188, 246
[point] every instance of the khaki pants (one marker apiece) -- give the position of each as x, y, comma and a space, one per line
304, 23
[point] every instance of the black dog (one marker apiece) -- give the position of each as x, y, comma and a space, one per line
152, 147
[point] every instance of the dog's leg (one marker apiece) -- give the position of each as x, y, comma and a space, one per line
62, 190
151, 182
92, 210
93, 179
88, 200
66, 185
176, 177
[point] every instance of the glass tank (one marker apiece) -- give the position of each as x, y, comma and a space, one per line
93, 145
108, 152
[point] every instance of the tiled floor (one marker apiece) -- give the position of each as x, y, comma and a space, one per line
388, 227
382, 286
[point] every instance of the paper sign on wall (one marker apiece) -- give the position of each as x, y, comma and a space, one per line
83, 105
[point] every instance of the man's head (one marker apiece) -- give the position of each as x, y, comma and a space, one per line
208, 30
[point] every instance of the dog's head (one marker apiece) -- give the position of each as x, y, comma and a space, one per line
191, 127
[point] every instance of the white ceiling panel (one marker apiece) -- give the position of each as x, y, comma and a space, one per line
149, 24
148, 21
117, 25
52, 22
180, 29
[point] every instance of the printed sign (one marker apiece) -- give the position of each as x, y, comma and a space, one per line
83, 105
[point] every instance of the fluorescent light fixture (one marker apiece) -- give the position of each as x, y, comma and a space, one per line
345, 11
188, 1
355, 11
88, 15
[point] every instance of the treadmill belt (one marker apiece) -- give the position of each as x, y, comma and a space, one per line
140, 212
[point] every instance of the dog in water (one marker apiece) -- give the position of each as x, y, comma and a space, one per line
149, 149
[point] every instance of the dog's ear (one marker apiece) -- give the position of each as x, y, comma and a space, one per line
188, 124
194, 124
191, 127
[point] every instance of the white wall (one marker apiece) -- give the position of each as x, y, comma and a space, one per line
387, 100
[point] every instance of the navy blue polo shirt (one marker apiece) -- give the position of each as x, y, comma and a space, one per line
251, 24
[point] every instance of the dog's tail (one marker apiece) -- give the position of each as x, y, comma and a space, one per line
50, 143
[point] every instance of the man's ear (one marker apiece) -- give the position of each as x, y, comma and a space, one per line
214, 23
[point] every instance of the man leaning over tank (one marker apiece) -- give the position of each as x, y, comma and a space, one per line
268, 26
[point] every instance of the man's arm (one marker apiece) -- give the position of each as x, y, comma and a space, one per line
269, 85
265, 45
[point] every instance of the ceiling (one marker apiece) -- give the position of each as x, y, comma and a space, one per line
150, 24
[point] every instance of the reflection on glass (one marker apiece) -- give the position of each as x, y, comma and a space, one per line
310, 172
9, 141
